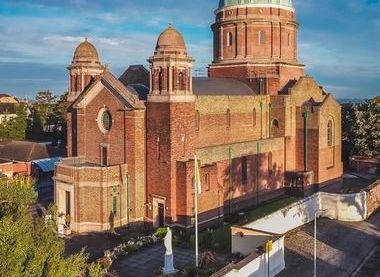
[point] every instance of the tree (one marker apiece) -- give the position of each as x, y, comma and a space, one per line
16, 127
29, 246
361, 128
58, 118
43, 106
49, 117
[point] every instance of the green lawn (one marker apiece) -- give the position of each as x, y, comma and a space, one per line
219, 240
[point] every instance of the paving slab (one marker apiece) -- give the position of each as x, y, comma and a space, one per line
149, 261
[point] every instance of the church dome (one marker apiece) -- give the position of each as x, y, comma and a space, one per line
170, 39
226, 3
86, 51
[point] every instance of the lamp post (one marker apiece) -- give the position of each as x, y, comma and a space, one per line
317, 213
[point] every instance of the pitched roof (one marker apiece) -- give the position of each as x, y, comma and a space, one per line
139, 89
220, 86
130, 97
12, 150
135, 74
7, 108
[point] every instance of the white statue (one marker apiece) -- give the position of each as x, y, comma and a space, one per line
169, 263
168, 242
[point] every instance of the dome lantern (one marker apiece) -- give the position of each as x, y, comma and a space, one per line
170, 40
86, 51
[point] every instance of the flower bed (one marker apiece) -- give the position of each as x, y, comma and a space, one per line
131, 246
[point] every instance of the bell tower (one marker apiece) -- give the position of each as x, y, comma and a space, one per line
171, 69
170, 120
256, 41
84, 67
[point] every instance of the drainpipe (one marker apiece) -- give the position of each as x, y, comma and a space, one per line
128, 201
261, 120
270, 120
229, 180
257, 173
305, 153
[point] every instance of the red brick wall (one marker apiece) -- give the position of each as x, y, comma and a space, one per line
277, 23
174, 125
275, 76
213, 124
278, 50
94, 137
373, 198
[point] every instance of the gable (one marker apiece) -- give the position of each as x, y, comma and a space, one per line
107, 81
305, 89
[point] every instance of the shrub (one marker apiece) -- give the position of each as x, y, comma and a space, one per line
161, 232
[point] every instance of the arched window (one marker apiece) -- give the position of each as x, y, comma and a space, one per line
262, 37
289, 39
244, 170
275, 123
229, 39
160, 80
158, 148
207, 181
197, 121
330, 135
228, 119
254, 117
181, 83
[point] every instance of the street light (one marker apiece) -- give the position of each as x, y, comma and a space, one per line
317, 213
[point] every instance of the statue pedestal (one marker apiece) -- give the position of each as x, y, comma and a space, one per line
168, 268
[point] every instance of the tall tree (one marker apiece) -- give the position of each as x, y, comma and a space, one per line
30, 247
361, 128
58, 118
44, 105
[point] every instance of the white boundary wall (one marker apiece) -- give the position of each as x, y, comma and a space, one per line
343, 207
259, 266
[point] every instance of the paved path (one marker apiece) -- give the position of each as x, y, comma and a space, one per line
149, 261
370, 266
341, 248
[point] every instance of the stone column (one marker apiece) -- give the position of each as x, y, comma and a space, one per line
221, 43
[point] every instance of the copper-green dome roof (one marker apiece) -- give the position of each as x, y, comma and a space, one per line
226, 3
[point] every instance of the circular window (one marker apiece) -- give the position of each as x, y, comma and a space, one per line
105, 120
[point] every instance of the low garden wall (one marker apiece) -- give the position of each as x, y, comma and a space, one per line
373, 197
257, 264
343, 207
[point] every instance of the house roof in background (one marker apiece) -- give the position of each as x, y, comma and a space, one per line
24, 151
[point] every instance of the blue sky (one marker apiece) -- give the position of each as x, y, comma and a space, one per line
339, 40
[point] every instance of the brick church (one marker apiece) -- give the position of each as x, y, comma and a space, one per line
257, 125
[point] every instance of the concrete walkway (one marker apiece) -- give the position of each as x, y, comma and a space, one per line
149, 261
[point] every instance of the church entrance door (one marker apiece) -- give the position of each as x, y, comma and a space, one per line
158, 212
